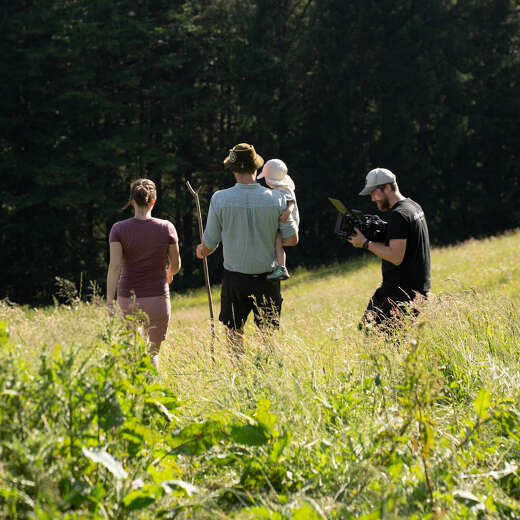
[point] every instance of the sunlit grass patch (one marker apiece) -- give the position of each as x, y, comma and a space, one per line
424, 421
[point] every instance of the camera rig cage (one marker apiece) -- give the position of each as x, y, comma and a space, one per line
372, 226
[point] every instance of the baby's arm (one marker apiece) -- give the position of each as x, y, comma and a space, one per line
286, 213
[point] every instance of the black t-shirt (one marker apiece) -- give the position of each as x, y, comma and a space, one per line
406, 220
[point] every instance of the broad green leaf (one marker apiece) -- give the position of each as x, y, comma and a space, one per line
279, 446
482, 403
466, 497
138, 499
170, 486
224, 459
197, 438
110, 413
395, 469
306, 512
103, 457
162, 409
4, 333
166, 469
249, 435
98, 492
427, 439
266, 418
75, 492
259, 513
168, 401
148, 435
10, 393
373, 515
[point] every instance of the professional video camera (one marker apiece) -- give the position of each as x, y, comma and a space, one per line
371, 226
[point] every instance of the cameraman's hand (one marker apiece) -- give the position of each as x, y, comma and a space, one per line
357, 239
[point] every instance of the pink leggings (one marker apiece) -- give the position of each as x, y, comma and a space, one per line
157, 308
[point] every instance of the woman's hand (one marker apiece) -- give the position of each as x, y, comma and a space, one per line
169, 274
114, 270
174, 262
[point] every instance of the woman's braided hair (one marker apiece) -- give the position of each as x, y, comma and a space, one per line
143, 192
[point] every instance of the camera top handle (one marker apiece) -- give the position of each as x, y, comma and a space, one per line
339, 206
344, 210
345, 215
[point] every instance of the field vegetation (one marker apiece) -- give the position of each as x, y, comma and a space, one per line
319, 421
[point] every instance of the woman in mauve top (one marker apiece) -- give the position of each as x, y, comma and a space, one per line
139, 247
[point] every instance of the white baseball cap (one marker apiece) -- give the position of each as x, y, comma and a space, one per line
275, 172
375, 178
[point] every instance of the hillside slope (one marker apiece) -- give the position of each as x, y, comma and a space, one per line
321, 420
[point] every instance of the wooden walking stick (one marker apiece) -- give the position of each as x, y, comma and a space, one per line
206, 272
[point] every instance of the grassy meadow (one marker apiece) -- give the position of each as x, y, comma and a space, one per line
319, 421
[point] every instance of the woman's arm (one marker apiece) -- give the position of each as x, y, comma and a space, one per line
114, 270
174, 261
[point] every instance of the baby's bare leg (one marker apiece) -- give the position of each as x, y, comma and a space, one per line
279, 251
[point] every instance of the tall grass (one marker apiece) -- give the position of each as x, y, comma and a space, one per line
421, 423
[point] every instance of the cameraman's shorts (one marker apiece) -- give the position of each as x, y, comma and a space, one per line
388, 306
243, 293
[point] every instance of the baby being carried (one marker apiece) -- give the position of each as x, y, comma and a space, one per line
276, 177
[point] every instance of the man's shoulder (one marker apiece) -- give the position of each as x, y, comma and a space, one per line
278, 194
219, 196
225, 192
269, 194
415, 209
406, 207
219, 193
270, 198
409, 210
259, 192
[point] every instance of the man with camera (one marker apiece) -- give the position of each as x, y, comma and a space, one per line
405, 252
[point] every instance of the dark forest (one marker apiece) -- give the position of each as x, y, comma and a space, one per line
96, 93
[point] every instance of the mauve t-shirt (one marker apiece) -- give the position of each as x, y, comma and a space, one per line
145, 249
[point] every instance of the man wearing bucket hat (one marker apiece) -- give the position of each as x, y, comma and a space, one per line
246, 218
405, 253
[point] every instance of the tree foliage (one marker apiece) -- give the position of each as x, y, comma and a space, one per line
97, 93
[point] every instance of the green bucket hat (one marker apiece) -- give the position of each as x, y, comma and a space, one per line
243, 158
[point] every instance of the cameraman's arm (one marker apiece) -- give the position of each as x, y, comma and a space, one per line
393, 252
